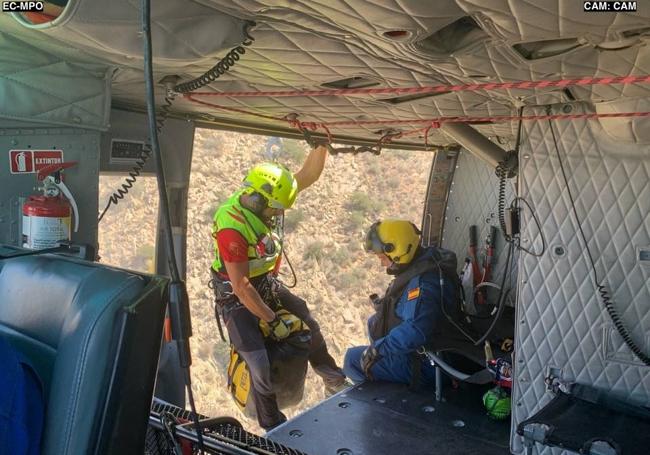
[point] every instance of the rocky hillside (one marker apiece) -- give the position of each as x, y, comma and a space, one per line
324, 242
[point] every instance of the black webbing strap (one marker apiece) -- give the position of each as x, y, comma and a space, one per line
416, 371
217, 316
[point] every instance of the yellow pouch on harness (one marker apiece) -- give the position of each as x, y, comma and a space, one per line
239, 379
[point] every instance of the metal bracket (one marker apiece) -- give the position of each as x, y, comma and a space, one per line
602, 448
535, 432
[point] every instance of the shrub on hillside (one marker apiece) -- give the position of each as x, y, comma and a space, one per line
293, 151
314, 250
355, 220
341, 256
292, 219
374, 168
361, 202
353, 278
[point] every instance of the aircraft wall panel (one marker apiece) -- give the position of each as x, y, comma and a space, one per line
561, 320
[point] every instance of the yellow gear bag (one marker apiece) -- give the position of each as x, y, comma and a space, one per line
239, 380
288, 358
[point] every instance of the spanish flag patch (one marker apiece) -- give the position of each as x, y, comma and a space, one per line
413, 293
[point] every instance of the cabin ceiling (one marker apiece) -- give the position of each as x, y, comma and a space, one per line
305, 44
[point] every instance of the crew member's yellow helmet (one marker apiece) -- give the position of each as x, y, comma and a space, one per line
397, 239
275, 182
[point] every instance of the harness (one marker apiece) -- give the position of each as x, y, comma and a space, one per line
225, 299
264, 246
385, 306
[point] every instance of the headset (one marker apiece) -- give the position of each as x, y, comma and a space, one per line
258, 202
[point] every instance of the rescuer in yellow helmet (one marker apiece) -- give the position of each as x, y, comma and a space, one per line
247, 258
409, 314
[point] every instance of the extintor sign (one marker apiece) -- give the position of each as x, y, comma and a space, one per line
31, 161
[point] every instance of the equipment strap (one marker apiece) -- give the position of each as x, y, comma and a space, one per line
416, 372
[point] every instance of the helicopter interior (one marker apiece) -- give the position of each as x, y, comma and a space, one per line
537, 119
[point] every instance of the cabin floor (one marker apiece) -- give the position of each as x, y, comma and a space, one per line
382, 418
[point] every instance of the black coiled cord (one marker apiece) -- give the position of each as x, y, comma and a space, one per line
604, 295
502, 173
220, 68
620, 326
140, 163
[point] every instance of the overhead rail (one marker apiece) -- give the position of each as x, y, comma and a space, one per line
455, 132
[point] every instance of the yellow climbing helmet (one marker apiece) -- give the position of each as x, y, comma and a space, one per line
397, 239
275, 182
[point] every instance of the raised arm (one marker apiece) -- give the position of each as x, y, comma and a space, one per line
311, 168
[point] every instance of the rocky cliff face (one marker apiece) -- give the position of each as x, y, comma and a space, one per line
324, 242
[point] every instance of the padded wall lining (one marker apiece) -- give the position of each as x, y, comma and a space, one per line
561, 321
36, 86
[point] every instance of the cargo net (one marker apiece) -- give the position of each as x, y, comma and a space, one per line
156, 443
220, 435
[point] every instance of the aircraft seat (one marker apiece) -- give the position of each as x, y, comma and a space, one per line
93, 335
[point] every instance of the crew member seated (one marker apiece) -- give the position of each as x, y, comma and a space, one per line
409, 315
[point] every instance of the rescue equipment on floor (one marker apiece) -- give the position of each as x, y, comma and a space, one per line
497, 402
288, 359
47, 217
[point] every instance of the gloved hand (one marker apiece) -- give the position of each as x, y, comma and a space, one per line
279, 329
369, 357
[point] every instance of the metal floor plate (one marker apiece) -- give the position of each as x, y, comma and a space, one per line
383, 418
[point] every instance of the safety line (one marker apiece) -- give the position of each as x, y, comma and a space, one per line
437, 88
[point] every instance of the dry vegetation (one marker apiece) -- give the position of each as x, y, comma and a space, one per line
325, 231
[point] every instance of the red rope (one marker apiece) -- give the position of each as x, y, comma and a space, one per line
432, 122
439, 88
313, 126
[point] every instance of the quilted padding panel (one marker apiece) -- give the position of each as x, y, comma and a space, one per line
45, 88
562, 323
182, 31
303, 44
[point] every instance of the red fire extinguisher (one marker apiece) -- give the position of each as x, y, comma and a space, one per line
47, 218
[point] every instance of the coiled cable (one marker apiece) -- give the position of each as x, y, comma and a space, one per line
502, 173
140, 163
221, 67
515, 206
604, 294
504, 170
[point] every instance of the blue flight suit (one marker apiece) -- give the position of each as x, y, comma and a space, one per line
21, 404
420, 313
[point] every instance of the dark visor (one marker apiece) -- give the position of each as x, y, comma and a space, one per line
373, 243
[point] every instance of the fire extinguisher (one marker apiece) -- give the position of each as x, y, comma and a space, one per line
47, 217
